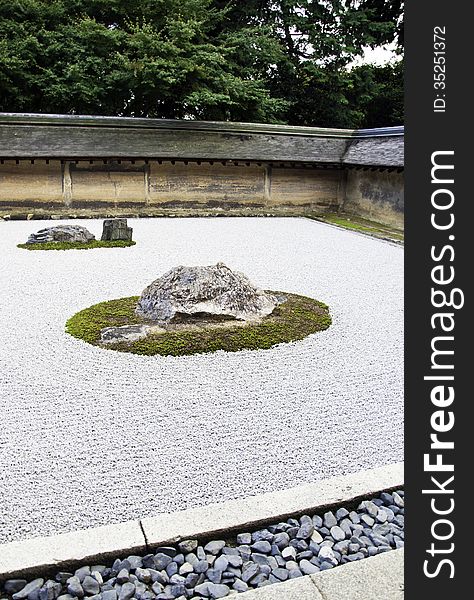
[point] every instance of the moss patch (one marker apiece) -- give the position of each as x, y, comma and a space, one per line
77, 245
362, 225
293, 320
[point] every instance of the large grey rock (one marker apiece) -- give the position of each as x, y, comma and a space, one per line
199, 291
61, 233
116, 229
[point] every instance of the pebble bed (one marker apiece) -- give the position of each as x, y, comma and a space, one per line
91, 437
220, 568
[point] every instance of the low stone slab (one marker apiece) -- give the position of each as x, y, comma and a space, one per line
61, 233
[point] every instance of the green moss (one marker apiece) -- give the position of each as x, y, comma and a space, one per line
362, 225
293, 320
78, 245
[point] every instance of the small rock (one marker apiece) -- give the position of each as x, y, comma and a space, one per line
168, 550
214, 547
126, 591
281, 540
201, 567
326, 554
123, 576
262, 547
262, 535
354, 517
368, 520
162, 561
187, 546
240, 586
398, 500
289, 553
221, 563
386, 498
90, 585
316, 537
341, 513
74, 587
281, 574
307, 568
143, 575
202, 589
306, 530
217, 590
244, 538
12, 586
317, 521
294, 573
108, 595
329, 520
370, 508
249, 571
234, 561
172, 569
337, 534
214, 575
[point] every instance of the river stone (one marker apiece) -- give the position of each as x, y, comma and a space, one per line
116, 229
12, 586
61, 233
214, 291
32, 586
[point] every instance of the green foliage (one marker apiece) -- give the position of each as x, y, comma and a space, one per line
77, 245
293, 320
259, 60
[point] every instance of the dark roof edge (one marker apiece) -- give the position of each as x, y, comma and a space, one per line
217, 126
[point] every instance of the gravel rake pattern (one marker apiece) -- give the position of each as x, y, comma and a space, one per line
91, 437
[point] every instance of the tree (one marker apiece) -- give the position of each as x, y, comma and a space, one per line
258, 60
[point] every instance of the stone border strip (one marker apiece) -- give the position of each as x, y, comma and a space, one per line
375, 578
39, 555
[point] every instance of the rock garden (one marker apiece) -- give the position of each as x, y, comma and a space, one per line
115, 234
192, 310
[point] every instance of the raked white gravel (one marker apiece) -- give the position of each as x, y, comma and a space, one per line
90, 437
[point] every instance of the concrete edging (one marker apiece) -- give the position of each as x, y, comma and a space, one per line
39, 555
375, 578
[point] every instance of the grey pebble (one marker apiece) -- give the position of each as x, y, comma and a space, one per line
90, 585
82, 573
123, 576
214, 547
126, 591
74, 587
217, 590
262, 546
187, 546
214, 575
329, 520
308, 568
337, 533
162, 561
240, 586
249, 571
341, 513
244, 538
294, 573
12, 586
